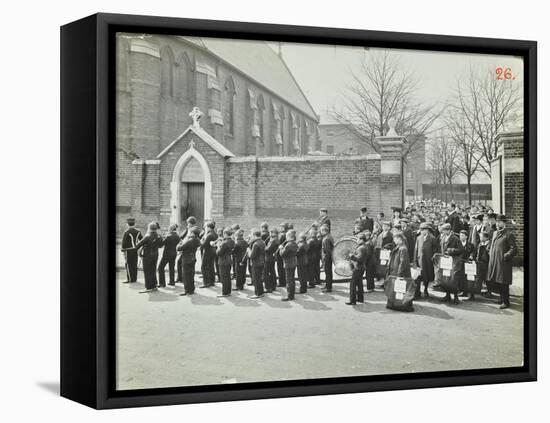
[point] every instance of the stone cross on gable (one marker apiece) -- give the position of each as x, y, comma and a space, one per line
196, 115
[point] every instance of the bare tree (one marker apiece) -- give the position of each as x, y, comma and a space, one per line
466, 140
382, 90
443, 161
487, 104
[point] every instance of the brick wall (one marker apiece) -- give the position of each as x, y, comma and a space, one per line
512, 152
277, 189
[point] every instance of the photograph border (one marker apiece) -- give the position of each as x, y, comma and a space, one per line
88, 133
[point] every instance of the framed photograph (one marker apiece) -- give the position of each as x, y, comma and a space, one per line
259, 211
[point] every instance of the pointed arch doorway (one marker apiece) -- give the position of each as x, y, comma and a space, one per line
191, 188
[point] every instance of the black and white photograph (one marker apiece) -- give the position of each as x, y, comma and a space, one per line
299, 211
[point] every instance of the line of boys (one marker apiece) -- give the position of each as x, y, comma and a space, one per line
226, 249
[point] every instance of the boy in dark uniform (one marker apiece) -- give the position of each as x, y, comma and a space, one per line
280, 268
359, 260
302, 263
327, 247
272, 245
239, 253
224, 251
208, 252
288, 253
169, 253
314, 258
130, 238
188, 249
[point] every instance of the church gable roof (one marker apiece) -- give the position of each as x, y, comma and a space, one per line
260, 62
203, 135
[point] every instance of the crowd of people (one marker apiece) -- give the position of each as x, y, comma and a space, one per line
410, 242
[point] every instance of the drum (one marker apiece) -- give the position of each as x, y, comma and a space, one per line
343, 248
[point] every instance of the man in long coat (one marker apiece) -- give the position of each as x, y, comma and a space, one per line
503, 248
425, 248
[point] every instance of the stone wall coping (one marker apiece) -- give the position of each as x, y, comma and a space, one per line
203, 135
323, 158
514, 134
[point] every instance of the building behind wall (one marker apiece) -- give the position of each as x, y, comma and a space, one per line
337, 138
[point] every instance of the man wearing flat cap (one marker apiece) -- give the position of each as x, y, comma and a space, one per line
365, 222
130, 238
396, 215
501, 252
323, 219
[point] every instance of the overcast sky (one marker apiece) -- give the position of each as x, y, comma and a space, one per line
324, 71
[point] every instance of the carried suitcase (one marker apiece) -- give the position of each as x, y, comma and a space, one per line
400, 293
444, 272
383, 263
472, 280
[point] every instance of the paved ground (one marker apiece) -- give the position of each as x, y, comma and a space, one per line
166, 340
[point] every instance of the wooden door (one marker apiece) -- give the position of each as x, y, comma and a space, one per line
195, 201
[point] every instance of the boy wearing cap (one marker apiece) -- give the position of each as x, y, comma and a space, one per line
272, 245
223, 253
208, 251
169, 253
359, 260
323, 218
130, 238
188, 257
327, 246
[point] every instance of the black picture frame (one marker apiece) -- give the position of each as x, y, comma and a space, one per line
87, 210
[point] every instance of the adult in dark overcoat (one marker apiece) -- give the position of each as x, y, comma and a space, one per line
426, 246
503, 249
451, 246
150, 245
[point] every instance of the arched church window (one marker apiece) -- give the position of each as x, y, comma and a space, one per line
184, 80
166, 72
229, 107
260, 116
